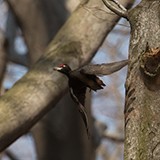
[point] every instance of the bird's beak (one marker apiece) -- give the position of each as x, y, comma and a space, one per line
57, 68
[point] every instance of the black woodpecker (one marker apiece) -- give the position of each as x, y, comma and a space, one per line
78, 83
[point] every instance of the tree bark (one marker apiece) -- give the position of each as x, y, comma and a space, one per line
23, 105
3, 62
142, 107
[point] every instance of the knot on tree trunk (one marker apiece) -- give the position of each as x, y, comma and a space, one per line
150, 67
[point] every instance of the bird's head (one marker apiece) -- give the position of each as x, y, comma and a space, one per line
63, 68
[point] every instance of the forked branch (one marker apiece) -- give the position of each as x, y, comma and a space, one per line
116, 7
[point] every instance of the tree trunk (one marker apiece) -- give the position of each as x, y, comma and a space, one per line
142, 107
3, 62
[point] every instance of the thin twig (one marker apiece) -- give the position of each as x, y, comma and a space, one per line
119, 5
113, 138
118, 9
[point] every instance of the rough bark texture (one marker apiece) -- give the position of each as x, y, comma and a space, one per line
23, 105
142, 108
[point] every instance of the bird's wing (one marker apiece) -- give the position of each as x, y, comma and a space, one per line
85, 118
92, 81
77, 90
89, 80
78, 95
96, 79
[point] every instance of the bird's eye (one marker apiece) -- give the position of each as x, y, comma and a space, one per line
62, 65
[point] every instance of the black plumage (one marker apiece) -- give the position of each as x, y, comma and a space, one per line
78, 83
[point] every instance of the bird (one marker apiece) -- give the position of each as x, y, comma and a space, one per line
78, 83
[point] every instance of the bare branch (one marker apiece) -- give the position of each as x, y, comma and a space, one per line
113, 137
28, 22
118, 9
10, 155
2, 56
104, 69
18, 59
11, 34
119, 5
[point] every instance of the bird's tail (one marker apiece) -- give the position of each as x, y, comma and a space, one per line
85, 118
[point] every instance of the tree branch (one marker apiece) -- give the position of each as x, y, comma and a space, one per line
18, 59
113, 137
3, 61
11, 34
29, 17
118, 9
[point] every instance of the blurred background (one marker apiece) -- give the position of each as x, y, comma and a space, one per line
26, 27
